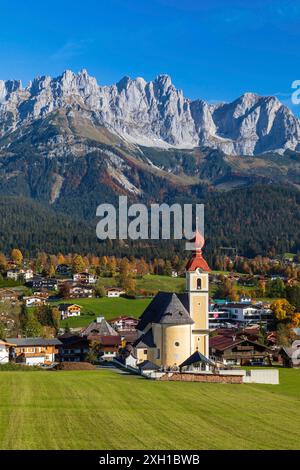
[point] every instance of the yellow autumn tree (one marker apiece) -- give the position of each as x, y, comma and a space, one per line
16, 256
282, 309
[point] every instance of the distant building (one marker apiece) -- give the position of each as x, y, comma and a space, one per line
5, 348
9, 295
231, 349
124, 323
290, 356
34, 301
13, 274
85, 278
63, 269
80, 291
34, 351
38, 282
242, 313
17, 274
74, 348
114, 292
69, 310
101, 333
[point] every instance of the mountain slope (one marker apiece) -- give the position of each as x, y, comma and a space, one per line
254, 220
154, 113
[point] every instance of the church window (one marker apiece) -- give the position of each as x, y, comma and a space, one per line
198, 283
158, 354
176, 343
145, 351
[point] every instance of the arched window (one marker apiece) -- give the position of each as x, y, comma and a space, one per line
198, 283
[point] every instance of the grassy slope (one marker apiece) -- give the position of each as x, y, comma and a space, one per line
105, 307
110, 308
105, 410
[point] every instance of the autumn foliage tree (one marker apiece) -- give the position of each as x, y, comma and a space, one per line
282, 309
16, 256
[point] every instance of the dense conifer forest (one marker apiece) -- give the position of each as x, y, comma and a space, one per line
256, 220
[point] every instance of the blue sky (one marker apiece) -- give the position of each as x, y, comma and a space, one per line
215, 50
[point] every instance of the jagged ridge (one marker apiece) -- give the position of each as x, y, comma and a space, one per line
154, 113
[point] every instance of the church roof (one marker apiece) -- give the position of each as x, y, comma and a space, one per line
148, 365
196, 357
145, 341
167, 309
197, 261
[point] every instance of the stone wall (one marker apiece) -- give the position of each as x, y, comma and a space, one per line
215, 378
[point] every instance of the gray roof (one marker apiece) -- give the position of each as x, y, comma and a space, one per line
101, 328
148, 365
196, 357
166, 308
145, 341
38, 341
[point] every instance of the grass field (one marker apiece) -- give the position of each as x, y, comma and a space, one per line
105, 410
108, 308
151, 282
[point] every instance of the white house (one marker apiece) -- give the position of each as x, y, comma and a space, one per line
4, 351
115, 292
16, 274
85, 278
13, 274
69, 310
34, 301
247, 314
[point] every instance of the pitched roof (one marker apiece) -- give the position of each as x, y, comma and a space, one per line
148, 365
106, 340
38, 341
101, 328
196, 357
165, 308
66, 306
221, 342
145, 341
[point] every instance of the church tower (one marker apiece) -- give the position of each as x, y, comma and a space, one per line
197, 285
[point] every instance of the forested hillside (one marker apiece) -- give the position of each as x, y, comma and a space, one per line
254, 220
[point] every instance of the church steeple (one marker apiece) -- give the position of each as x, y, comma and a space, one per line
197, 261
197, 288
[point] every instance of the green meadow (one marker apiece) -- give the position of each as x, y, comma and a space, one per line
104, 307
103, 409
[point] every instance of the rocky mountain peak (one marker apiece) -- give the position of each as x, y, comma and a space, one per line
154, 113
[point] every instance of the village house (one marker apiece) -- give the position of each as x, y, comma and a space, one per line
231, 349
42, 294
63, 270
80, 291
126, 327
290, 356
242, 313
5, 348
74, 348
17, 274
85, 278
34, 351
114, 292
38, 282
100, 333
123, 323
69, 310
9, 295
13, 274
34, 301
